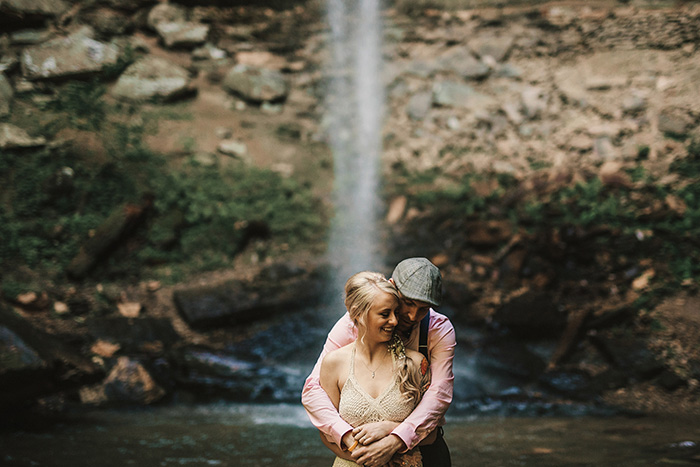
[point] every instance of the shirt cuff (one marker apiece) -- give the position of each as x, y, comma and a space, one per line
338, 430
406, 435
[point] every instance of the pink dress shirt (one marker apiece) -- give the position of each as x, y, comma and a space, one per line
427, 415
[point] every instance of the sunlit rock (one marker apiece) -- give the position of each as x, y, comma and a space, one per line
153, 78
75, 55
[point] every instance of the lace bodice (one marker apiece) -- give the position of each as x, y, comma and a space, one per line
357, 407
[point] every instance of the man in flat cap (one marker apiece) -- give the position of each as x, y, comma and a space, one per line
421, 328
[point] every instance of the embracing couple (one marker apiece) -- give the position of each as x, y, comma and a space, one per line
383, 382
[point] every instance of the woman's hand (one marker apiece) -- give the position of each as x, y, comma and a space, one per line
371, 432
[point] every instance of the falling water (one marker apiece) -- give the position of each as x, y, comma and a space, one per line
354, 103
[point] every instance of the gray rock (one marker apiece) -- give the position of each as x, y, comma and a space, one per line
153, 78
75, 55
455, 94
508, 71
166, 13
30, 36
6, 96
13, 137
462, 62
634, 103
127, 5
419, 105
47, 8
674, 121
233, 148
108, 22
182, 34
604, 148
496, 47
534, 101
255, 84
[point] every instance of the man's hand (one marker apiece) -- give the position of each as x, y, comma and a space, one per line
378, 453
371, 432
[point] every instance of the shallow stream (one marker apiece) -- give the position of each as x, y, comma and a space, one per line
276, 435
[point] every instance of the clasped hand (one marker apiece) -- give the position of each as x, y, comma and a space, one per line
377, 445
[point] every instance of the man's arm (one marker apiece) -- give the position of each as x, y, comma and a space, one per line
437, 399
318, 405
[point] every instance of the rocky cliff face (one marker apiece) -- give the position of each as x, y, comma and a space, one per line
547, 98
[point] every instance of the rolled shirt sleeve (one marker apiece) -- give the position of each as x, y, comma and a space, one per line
322, 413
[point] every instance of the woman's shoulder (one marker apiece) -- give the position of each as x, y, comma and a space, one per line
338, 355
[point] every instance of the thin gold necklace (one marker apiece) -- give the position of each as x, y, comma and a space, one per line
371, 370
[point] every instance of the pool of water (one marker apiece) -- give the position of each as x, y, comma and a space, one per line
267, 435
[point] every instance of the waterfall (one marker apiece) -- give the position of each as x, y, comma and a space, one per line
354, 117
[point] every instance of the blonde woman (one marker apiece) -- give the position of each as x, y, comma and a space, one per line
373, 382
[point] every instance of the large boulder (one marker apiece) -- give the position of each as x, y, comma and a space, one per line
255, 84
35, 364
75, 55
532, 314
153, 79
13, 137
276, 289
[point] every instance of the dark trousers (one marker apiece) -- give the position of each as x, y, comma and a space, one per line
436, 454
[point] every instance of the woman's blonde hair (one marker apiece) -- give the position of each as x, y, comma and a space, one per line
361, 290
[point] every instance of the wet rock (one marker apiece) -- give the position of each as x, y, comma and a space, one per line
575, 384
670, 380
509, 360
34, 364
278, 288
208, 374
532, 314
128, 382
629, 354
133, 333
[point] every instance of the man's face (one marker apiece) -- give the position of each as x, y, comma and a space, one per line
410, 313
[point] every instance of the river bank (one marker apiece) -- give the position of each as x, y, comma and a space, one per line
272, 435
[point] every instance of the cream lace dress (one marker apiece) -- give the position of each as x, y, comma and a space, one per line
357, 407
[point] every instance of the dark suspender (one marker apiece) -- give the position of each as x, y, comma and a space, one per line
423, 336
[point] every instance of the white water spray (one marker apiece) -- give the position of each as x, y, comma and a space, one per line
354, 116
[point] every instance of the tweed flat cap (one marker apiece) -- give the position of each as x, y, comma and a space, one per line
419, 279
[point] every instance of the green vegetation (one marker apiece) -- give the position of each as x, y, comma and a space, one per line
644, 219
200, 217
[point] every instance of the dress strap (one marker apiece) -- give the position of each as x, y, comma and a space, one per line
352, 360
